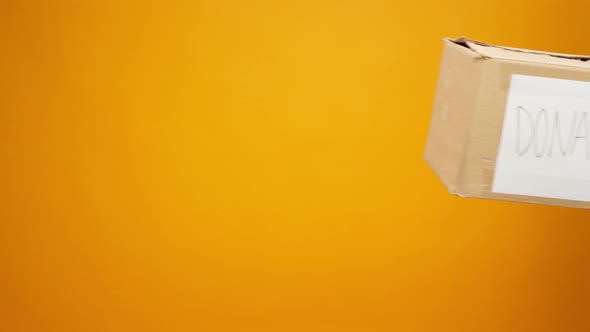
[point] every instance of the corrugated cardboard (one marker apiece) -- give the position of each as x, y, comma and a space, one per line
469, 109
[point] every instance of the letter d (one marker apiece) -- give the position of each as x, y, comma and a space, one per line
520, 151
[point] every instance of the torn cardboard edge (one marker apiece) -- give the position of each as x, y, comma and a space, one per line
486, 50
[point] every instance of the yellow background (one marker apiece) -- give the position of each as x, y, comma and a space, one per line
257, 166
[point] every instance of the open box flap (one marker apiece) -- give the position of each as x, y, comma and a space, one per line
518, 54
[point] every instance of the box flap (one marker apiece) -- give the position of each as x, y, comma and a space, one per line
518, 54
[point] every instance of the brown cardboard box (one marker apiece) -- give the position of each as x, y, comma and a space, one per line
512, 124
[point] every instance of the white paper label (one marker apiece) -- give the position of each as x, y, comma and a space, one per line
545, 145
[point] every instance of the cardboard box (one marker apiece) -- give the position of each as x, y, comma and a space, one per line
512, 124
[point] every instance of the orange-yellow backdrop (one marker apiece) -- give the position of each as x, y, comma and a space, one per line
257, 166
